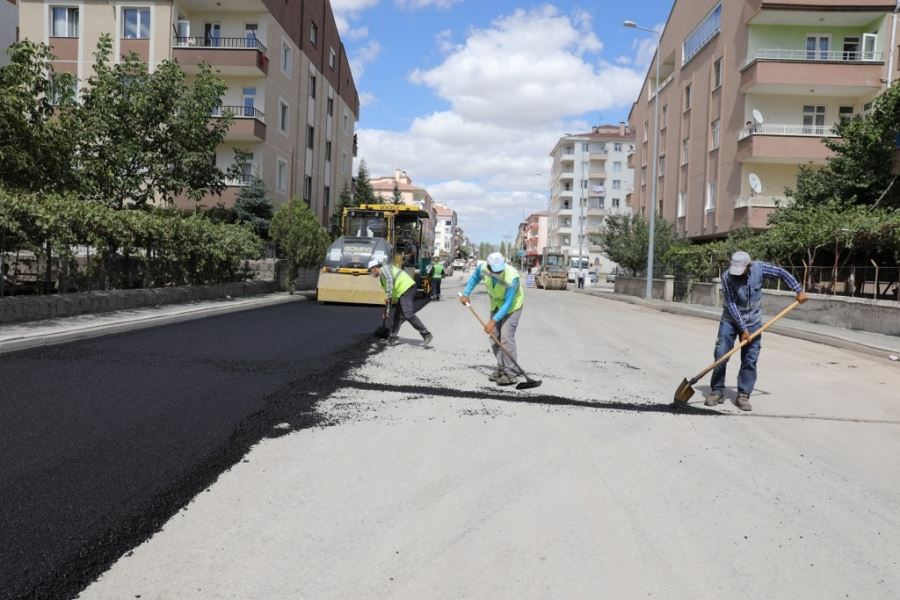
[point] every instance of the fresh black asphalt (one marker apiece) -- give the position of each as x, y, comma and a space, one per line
102, 441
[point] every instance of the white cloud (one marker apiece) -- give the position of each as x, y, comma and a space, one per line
513, 90
365, 55
367, 99
358, 33
346, 11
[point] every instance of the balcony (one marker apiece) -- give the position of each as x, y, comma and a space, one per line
248, 124
754, 211
783, 143
829, 73
236, 56
601, 155
762, 201
566, 174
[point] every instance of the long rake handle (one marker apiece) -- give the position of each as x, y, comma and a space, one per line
753, 336
498, 342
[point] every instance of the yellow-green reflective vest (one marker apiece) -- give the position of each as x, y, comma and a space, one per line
437, 271
402, 281
497, 283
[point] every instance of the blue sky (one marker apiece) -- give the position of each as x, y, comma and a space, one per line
469, 96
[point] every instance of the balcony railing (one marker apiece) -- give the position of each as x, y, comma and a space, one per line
239, 112
762, 202
220, 42
242, 179
793, 130
813, 55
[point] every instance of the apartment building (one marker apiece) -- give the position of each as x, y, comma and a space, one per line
533, 238
445, 231
747, 91
9, 28
290, 87
409, 194
589, 181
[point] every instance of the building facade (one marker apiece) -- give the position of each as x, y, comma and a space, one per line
748, 89
533, 238
9, 28
589, 181
445, 231
290, 87
409, 194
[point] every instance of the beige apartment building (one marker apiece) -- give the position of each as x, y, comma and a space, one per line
532, 238
290, 87
445, 238
409, 194
748, 90
9, 28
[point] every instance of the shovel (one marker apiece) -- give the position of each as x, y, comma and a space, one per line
383, 332
685, 390
529, 382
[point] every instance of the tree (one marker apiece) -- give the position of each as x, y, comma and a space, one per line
36, 143
396, 198
144, 136
624, 239
300, 238
345, 200
254, 207
365, 194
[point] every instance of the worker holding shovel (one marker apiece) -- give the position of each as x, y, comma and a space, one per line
400, 291
507, 297
742, 287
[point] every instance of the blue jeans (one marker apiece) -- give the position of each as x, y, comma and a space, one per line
728, 332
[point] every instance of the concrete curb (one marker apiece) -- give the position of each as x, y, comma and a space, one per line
836, 340
142, 322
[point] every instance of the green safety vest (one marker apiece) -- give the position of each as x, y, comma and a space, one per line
496, 286
437, 271
402, 281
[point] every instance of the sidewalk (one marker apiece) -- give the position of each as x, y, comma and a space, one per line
876, 344
35, 334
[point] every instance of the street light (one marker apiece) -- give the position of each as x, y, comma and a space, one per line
648, 294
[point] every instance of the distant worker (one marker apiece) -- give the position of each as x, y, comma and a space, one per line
742, 288
507, 297
400, 291
582, 274
437, 274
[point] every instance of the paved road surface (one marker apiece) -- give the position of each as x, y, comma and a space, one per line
102, 441
433, 483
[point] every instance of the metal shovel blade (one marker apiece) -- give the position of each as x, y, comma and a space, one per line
528, 384
383, 333
684, 392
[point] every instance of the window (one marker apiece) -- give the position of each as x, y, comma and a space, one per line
332, 58
664, 117
717, 73
615, 203
584, 184
818, 47
313, 34
327, 151
643, 175
617, 147
346, 122
281, 176
662, 165
617, 165
845, 112
687, 97
586, 147
282, 116
247, 169
705, 31
646, 128
681, 204
286, 58
65, 22
249, 101
60, 93
685, 149
312, 87
617, 184
307, 189
330, 107
136, 23
869, 41
310, 137
813, 120
711, 196
326, 198
250, 30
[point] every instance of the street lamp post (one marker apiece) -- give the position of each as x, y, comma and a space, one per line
648, 294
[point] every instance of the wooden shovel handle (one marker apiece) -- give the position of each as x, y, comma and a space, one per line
753, 336
483, 324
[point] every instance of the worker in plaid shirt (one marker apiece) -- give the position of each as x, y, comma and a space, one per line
742, 287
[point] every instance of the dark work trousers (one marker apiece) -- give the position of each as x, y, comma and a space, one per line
405, 310
436, 288
506, 333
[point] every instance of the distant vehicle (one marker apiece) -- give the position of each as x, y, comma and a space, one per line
552, 273
575, 265
459, 263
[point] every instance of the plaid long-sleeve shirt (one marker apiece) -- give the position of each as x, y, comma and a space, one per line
768, 271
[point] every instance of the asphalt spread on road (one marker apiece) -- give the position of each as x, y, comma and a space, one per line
102, 441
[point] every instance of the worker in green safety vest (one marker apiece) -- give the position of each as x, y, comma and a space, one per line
400, 291
437, 274
507, 297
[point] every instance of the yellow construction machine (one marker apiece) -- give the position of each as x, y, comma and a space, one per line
391, 233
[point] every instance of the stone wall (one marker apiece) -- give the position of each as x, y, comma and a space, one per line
634, 286
31, 308
705, 294
879, 316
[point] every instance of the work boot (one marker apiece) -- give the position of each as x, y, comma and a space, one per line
505, 379
743, 402
426, 339
393, 340
714, 399
495, 375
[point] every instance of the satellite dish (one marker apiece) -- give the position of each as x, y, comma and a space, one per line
755, 183
757, 116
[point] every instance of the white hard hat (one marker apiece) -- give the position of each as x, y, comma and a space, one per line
374, 263
496, 262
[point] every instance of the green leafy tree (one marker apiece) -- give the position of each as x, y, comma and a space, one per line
299, 236
364, 193
254, 207
396, 198
144, 136
36, 141
624, 239
345, 200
